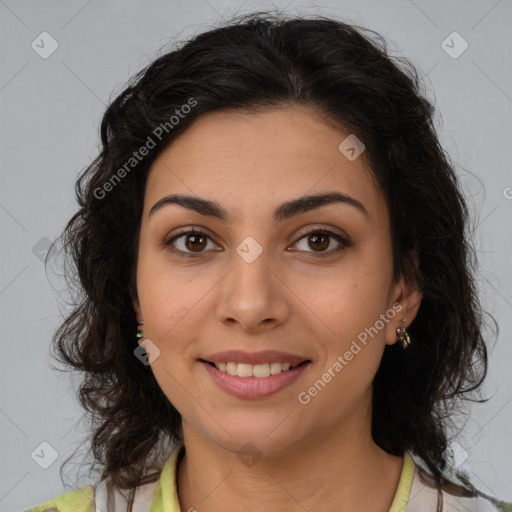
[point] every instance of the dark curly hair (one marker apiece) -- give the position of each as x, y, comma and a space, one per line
254, 63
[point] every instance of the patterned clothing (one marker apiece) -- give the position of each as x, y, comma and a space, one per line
412, 495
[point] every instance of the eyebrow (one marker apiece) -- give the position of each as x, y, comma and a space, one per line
282, 212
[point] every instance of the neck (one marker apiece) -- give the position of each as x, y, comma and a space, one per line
344, 471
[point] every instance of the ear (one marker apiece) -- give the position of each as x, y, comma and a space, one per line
405, 301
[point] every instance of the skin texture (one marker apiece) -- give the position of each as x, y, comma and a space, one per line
310, 457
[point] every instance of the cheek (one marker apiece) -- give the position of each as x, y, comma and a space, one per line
344, 301
350, 307
167, 294
174, 304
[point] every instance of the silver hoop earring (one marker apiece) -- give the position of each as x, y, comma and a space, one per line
403, 335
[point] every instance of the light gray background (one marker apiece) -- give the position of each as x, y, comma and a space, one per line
51, 110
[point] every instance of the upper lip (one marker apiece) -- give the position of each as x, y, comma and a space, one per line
266, 356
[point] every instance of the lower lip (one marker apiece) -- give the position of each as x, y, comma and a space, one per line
254, 387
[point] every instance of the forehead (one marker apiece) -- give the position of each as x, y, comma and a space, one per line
250, 162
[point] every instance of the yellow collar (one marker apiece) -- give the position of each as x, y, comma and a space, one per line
166, 494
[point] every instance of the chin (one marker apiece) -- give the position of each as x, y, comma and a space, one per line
263, 438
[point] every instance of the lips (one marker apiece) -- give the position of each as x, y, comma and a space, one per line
266, 356
254, 388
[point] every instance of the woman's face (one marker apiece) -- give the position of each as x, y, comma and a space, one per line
263, 278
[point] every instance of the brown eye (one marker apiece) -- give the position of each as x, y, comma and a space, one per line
189, 243
195, 241
320, 239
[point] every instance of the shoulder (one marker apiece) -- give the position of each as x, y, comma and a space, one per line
104, 496
101, 497
424, 497
77, 500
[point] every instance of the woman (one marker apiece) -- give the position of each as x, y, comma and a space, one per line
273, 215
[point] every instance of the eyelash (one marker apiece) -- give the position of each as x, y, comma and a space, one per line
344, 243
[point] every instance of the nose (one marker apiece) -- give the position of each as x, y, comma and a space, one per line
252, 296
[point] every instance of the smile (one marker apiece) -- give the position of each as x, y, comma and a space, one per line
254, 381
254, 370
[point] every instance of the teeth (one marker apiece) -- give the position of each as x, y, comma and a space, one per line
253, 370
276, 368
243, 370
260, 370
